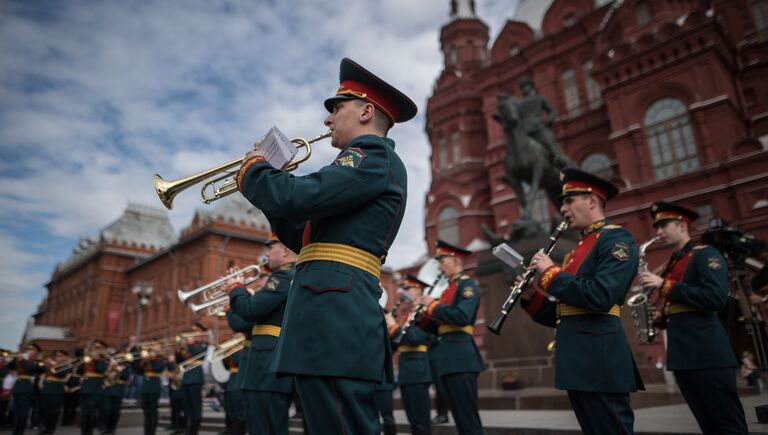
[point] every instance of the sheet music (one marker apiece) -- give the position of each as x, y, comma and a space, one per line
505, 253
277, 149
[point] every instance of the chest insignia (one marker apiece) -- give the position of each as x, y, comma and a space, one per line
352, 157
271, 284
620, 251
468, 293
714, 263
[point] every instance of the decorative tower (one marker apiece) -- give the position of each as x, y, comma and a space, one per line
457, 202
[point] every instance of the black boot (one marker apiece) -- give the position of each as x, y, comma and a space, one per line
153, 424
196, 425
238, 427
440, 419
181, 424
389, 429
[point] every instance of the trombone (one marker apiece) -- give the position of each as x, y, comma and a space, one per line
261, 269
168, 189
192, 362
228, 348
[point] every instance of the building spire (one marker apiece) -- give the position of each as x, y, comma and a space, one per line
462, 9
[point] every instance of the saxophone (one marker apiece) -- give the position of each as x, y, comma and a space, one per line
641, 302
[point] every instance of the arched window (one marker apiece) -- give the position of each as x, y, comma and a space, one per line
448, 225
590, 85
760, 11
442, 154
571, 93
456, 146
598, 164
643, 13
670, 139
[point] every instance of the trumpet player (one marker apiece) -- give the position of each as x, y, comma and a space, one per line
52, 393
267, 396
94, 366
593, 360
452, 318
192, 379
694, 286
343, 219
151, 367
26, 366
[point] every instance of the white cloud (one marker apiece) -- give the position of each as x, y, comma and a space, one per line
97, 97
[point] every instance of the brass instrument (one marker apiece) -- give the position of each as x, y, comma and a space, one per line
192, 362
167, 190
112, 375
128, 357
205, 289
514, 295
68, 364
228, 348
643, 308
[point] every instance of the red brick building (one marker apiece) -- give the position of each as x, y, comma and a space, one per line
90, 296
669, 99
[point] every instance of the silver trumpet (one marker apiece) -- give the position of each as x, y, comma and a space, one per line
206, 289
641, 303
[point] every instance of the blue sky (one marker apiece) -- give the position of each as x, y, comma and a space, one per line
95, 97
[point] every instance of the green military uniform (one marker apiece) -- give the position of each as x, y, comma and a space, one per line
176, 398
114, 399
91, 392
21, 394
441, 405
383, 395
151, 388
343, 220
458, 359
699, 352
237, 407
414, 374
267, 396
192, 389
413, 377
593, 360
52, 395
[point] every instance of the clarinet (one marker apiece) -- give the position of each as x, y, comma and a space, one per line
412, 317
514, 295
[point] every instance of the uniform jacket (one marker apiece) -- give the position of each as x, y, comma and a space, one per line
195, 375
151, 370
697, 278
592, 352
456, 351
357, 201
232, 363
413, 367
54, 382
93, 375
26, 371
265, 307
118, 388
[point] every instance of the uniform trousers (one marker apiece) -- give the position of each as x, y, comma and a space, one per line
441, 405
50, 406
20, 406
417, 406
267, 412
88, 412
193, 401
461, 392
114, 406
712, 396
602, 413
384, 402
237, 405
340, 406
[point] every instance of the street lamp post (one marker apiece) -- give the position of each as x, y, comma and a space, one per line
142, 290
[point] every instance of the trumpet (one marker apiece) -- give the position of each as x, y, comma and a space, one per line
168, 189
186, 296
498, 322
228, 348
